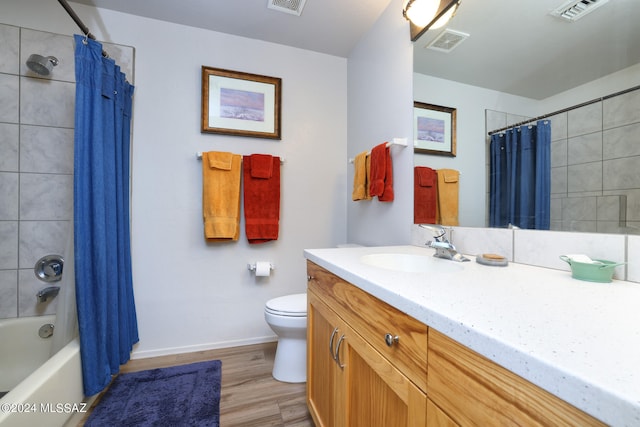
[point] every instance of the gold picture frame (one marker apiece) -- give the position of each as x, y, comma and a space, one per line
241, 104
434, 129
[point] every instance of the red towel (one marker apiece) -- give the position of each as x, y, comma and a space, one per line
261, 174
425, 195
381, 173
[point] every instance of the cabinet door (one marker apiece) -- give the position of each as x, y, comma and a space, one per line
377, 394
324, 396
373, 319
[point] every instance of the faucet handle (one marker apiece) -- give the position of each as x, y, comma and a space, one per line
437, 230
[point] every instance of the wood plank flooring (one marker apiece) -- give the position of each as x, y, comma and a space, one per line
250, 397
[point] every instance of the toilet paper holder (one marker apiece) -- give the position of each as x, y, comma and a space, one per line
252, 267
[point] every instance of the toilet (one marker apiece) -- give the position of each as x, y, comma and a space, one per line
287, 317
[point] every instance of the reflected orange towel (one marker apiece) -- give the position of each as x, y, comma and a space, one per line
448, 188
261, 173
360, 178
221, 172
425, 195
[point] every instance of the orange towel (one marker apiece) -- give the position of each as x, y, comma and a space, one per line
261, 173
425, 195
367, 188
381, 173
360, 178
221, 195
448, 189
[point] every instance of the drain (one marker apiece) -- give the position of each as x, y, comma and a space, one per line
46, 330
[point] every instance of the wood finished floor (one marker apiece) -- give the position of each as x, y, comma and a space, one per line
250, 397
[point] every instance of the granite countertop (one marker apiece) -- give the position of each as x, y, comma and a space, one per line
578, 340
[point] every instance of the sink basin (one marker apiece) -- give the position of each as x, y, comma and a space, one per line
410, 263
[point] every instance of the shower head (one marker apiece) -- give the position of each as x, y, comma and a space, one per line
41, 65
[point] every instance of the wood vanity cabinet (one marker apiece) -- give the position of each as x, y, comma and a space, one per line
354, 379
473, 390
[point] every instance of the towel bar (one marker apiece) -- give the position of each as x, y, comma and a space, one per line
199, 157
396, 141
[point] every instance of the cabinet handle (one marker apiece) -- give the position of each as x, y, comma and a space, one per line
333, 334
337, 358
309, 278
391, 339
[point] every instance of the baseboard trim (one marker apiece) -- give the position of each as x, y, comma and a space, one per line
144, 354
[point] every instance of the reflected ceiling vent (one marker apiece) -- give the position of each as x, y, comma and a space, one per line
573, 10
447, 40
293, 7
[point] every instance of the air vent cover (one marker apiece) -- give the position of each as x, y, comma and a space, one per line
575, 9
447, 40
293, 7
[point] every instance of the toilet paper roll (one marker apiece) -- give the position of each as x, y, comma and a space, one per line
263, 268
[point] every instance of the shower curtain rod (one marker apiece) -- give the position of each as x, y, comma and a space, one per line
79, 23
564, 110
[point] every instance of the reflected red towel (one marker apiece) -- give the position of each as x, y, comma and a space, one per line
425, 195
261, 197
381, 173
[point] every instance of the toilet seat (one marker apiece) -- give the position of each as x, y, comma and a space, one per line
289, 305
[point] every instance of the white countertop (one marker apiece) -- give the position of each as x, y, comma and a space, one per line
578, 340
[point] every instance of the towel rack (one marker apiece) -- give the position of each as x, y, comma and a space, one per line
396, 141
199, 157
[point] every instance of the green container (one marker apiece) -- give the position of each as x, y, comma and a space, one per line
599, 271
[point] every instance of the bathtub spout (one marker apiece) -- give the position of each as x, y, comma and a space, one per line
49, 292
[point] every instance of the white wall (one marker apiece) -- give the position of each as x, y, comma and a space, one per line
607, 85
380, 109
470, 103
189, 294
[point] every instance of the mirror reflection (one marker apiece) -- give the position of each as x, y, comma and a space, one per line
500, 63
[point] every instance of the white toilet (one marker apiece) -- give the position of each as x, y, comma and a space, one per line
287, 317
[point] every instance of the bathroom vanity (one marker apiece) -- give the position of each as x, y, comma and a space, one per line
399, 338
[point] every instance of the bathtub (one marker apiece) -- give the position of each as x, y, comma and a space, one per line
44, 391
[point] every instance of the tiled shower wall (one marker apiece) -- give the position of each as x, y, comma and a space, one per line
36, 161
595, 159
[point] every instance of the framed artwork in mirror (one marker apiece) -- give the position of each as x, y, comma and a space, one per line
242, 104
434, 129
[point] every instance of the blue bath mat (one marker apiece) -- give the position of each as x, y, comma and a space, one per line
187, 395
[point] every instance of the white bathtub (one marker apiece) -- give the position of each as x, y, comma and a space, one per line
43, 391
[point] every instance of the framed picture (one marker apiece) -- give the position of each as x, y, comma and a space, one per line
434, 129
242, 104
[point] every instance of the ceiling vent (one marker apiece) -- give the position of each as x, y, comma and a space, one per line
293, 7
573, 10
447, 40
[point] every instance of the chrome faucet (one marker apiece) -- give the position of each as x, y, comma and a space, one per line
48, 292
444, 248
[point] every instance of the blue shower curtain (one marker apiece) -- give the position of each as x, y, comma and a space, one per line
520, 177
104, 289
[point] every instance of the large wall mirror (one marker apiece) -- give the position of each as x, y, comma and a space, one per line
500, 62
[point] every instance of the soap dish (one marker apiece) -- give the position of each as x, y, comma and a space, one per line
494, 260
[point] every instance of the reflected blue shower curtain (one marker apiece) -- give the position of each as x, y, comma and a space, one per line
104, 290
520, 177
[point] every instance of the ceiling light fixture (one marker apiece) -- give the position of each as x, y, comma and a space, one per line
427, 14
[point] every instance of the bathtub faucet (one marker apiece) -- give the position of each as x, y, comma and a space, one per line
444, 248
49, 292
